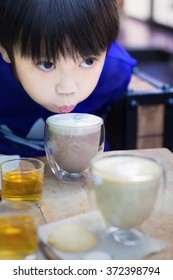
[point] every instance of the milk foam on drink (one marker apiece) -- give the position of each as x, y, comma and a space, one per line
74, 138
126, 188
74, 120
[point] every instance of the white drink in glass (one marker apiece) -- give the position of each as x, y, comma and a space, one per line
127, 190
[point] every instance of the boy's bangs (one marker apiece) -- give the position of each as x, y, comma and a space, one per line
49, 28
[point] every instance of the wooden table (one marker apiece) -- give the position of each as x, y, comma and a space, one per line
62, 200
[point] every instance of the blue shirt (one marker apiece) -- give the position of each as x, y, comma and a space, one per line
22, 120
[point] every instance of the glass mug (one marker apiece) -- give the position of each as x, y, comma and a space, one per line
71, 140
18, 231
22, 180
128, 190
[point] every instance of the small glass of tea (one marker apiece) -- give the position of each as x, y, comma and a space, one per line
22, 180
18, 231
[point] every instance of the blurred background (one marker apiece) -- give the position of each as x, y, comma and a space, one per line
146, 23
144, 118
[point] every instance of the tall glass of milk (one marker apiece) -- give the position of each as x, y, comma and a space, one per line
129, 192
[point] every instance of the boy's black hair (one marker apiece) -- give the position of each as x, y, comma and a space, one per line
57, 27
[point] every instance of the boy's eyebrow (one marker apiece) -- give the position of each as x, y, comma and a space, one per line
42, 55
77, 57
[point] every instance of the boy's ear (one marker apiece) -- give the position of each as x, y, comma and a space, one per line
4, 55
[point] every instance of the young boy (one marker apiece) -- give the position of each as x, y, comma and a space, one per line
57, 56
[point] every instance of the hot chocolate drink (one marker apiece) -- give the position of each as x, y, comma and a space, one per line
72, 139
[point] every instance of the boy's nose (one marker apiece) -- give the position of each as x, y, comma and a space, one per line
65, 86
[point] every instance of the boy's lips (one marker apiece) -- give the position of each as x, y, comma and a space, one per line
67, 109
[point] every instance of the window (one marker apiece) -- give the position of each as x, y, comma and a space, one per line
163, 12
140, 9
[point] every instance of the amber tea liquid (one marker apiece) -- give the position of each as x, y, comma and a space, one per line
18, 237
18, 186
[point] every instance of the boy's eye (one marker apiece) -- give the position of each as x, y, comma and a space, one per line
46, 65
87, 63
